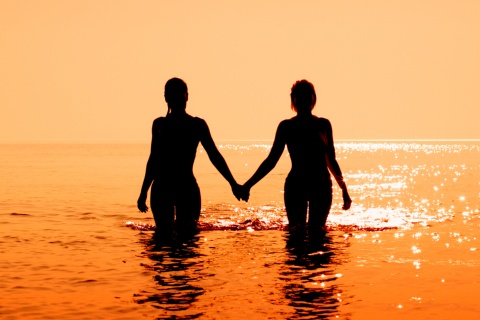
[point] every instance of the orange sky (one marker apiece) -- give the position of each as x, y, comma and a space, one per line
95, 70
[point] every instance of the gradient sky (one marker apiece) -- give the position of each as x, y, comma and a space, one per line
95, 70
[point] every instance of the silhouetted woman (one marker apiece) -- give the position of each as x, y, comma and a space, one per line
175, 195
309, 141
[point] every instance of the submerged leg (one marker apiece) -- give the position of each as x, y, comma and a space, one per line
162, 205
319, 207
188, 206
296, 206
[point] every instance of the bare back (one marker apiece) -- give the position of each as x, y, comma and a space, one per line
308, 140
174, 146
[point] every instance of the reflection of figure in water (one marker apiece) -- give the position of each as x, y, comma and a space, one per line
309, 141
309, 275
175, 195
178, 271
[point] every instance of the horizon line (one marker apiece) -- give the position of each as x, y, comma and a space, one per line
229, 140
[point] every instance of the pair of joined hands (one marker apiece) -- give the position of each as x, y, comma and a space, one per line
241, 192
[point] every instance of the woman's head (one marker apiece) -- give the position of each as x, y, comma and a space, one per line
176, 92
303, 96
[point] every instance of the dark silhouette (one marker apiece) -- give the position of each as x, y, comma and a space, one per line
309, 140
175, 195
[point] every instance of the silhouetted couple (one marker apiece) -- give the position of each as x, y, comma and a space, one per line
175, 196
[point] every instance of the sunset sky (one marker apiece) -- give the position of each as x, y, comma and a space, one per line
95, 70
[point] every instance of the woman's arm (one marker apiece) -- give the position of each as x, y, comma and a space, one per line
334, 167
149, 173
214, 155
332, 163
269, 163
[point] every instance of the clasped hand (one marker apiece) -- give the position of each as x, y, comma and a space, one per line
241, 192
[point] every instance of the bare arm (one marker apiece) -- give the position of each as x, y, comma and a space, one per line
269, 163
215, 156
149, 174
332, 163
334, 167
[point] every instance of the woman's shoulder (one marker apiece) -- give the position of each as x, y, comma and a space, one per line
285, 124
323, 121
198, 121
189, 118
296, 119
158, 121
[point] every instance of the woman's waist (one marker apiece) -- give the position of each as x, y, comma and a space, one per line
308, 171
174, 177
309, 176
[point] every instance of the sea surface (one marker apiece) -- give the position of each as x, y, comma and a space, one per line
73, 245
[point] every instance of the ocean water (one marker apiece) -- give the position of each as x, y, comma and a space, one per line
74, 246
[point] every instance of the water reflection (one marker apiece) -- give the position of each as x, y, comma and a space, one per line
310, 277
178, 272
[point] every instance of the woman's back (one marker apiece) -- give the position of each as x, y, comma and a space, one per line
174, 146
306, 140
175, 193
309, 140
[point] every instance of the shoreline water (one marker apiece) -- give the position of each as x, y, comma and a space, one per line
66, 251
